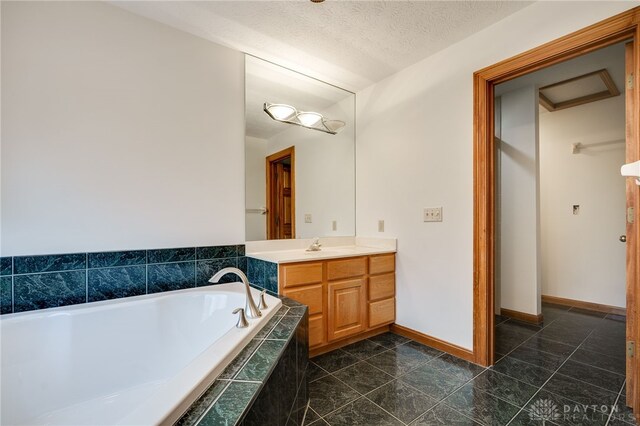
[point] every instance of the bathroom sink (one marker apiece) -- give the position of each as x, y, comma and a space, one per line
330, 252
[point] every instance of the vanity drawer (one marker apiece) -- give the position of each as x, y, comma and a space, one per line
316, 330
382, 286
299, 274
381, 264
382, 312
310, 295
354, 267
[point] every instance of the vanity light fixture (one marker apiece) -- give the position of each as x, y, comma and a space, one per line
311, 120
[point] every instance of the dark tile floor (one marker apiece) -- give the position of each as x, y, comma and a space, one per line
570, 371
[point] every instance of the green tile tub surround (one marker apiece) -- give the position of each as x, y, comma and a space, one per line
6, 266
266, 384
263, 274
47, 281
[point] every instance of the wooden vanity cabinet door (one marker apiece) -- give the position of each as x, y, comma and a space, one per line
346, 268
310, 295
382, 312
316, 330
347, 301
295, 274
382, 286
380, 264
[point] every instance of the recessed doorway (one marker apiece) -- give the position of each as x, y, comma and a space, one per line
281, 195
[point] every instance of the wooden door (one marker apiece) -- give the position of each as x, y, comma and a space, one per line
281, 195
632, 232
347, 304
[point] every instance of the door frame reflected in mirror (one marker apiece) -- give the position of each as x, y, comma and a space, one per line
281, 194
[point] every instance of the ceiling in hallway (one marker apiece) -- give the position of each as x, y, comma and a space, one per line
610, 58
348, 43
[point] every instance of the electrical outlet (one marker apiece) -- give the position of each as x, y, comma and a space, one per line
334, 225
433, 214
381, 226
307, 218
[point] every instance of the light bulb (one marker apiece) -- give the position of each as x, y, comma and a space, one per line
309, 118
281, 111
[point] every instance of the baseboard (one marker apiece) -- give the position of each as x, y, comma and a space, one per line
521, 316
335, 345
598, 307
434, 342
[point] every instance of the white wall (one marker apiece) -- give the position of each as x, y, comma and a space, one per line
255, 152
324, 173
582, 257
415, 150
520, 274
118, 132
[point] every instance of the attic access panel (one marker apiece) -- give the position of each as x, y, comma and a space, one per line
579, 90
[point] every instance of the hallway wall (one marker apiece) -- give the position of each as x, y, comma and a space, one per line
582, 258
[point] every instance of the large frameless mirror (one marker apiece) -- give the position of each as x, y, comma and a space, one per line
299, 155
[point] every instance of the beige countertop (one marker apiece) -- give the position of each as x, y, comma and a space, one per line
332, 248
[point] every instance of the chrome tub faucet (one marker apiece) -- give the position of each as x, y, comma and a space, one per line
251, 310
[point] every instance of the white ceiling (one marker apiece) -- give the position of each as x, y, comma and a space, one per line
351, 44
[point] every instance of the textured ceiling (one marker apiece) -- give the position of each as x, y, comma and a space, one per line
348, 43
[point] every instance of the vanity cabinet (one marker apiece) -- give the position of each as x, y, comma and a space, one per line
346, 297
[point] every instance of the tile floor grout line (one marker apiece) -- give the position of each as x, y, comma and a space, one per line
547, 381
615, 404
534, 334
380, 407
454, 391
406, 384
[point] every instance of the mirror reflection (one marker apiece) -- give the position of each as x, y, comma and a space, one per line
299, 155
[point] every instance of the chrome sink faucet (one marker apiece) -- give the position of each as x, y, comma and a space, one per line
250, 309
315, 245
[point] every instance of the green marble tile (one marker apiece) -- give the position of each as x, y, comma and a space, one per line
230, 405
202, 404
262, 361
284, 329
504, 387
481, 406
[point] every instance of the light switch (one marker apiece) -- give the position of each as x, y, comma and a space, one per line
307, 218
432, 214
381, 226
334, 225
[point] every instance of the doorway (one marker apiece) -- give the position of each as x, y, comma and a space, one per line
281, 194
614, 30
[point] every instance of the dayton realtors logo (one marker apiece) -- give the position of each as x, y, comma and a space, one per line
546, 410
543, 410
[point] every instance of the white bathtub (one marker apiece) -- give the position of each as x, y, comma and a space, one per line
136, 361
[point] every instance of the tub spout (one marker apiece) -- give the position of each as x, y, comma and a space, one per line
250, 309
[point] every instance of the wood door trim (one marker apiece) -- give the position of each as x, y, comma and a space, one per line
522, 316
632, 153
274, 158
618, 28
434, 342
598, 307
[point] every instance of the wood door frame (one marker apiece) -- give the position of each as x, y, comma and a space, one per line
274, 158
624, 26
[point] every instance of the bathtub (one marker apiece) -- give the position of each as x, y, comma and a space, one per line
136, 361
